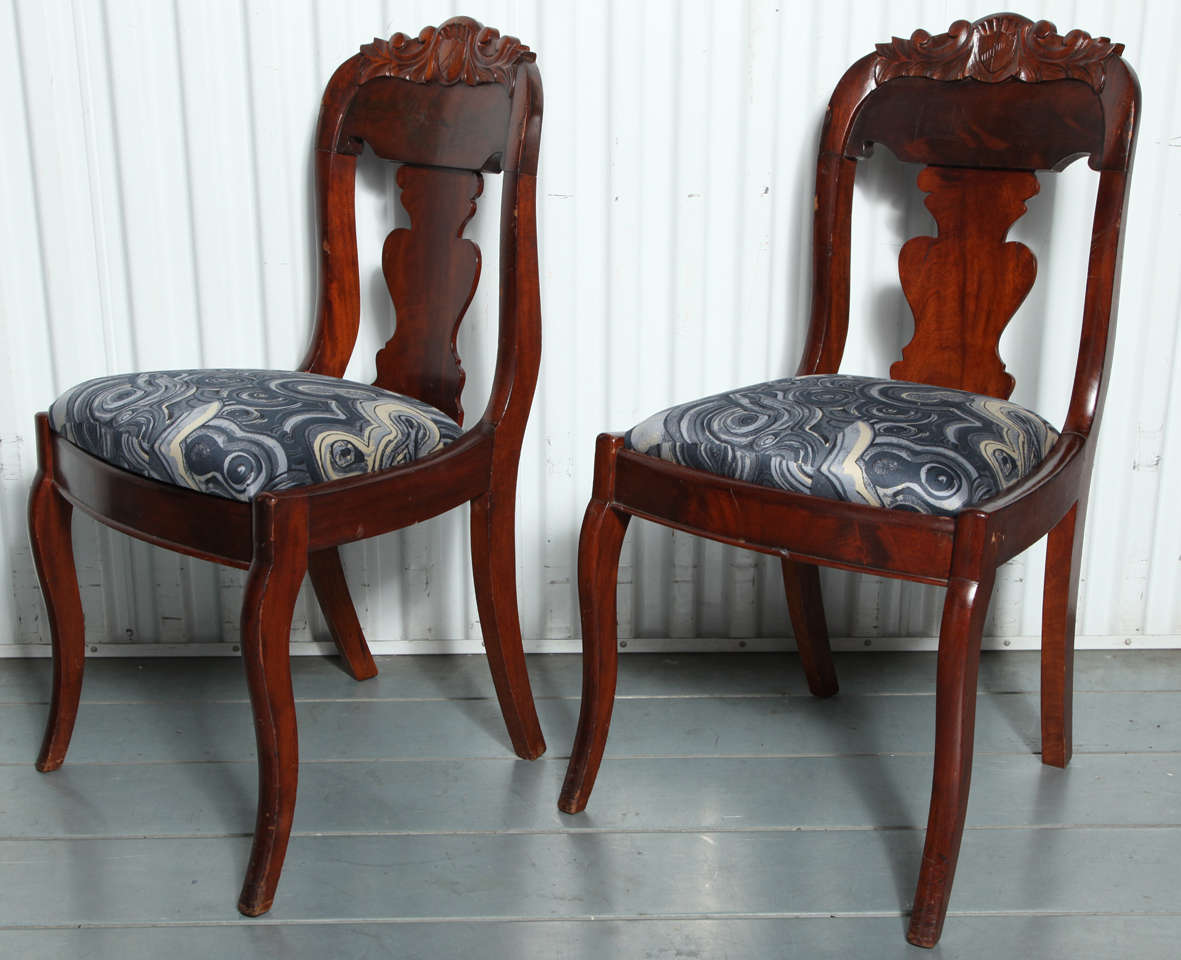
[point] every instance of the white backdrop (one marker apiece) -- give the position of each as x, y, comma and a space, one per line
155, 192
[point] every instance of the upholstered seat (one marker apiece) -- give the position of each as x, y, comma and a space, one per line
886, 443
236, 433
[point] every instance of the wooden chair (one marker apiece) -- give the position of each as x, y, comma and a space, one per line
907, 477
272, 472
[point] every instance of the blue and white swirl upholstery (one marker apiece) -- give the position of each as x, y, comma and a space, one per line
236, 433
887, 443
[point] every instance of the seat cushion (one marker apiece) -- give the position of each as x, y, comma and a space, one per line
236, 433
887, 443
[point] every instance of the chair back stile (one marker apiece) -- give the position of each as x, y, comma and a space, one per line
448, 106
981, 107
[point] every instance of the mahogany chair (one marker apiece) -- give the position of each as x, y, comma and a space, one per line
272, 471
933, 475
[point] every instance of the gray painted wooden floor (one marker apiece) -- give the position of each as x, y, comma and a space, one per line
734, 816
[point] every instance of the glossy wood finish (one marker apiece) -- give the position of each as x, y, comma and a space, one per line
850, 535
801, 582
494, 571
338, 312
168, 516
432, 274
332, 593
397, 121
982, 106
599, 544
1012, 126
964, 608
1064, 551
452, 102
280, 561
53, 555
964, 285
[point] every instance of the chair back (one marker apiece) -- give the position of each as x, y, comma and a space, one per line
982, 107
449, 105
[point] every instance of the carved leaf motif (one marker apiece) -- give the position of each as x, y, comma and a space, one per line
998, 48
459, 50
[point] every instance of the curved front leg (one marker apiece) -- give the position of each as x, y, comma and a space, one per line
599, 544
280, 560
964, 610
53, 556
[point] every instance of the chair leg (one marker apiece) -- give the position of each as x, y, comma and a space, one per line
494, 568
804, 603
332, 592
53, 555
280, 560
598, 569
1064, 550
964, 611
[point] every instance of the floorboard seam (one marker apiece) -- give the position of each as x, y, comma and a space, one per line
706, 830
580, 918
491, 698
564, 758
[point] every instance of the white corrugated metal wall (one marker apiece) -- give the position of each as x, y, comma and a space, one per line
156, 200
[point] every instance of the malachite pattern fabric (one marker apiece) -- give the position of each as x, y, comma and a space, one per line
887, 443
236, 433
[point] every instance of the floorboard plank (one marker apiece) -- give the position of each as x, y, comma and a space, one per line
215, 799
392, 729
839, 938
584, 876
560, 675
